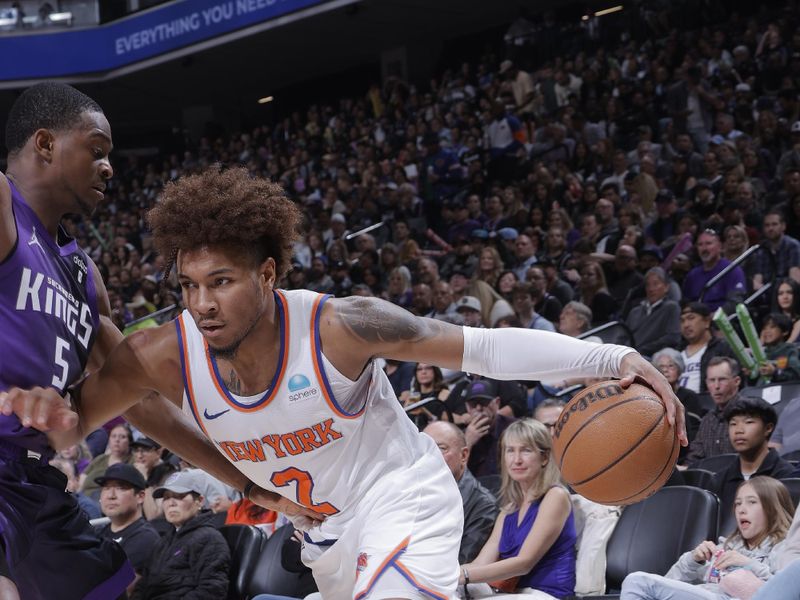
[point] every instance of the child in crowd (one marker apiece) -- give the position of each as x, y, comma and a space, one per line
763, 510
783, 358
531, 550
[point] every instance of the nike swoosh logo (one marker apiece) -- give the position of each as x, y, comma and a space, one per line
214, 416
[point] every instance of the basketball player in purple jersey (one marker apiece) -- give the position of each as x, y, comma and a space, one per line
51, 304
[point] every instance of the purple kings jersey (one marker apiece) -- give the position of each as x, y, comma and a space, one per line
48, 315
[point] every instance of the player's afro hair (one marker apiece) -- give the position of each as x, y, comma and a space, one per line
47, 105
228, 207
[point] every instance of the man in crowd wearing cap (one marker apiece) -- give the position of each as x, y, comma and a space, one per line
340, 275
709, 247
480, 506
146, 455
193, 560
469, 307
487, 425
121, 499
780, 253
699, 345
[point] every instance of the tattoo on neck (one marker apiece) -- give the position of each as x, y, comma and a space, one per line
234, 383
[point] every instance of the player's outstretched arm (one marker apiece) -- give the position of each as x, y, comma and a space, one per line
365, 328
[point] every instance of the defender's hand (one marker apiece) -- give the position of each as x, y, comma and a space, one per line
41, 408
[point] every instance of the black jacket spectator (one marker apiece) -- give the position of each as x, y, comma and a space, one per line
138, 540
191, 564
480, 510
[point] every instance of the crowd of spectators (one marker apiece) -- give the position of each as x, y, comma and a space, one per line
553, 192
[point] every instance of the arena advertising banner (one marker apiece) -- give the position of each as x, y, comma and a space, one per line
134, 39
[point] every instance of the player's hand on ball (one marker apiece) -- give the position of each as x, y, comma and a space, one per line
633, 366
704, 551
41, 408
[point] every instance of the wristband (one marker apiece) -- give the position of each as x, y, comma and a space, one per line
465, 573
248, 487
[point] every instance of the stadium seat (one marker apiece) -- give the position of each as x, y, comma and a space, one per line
269, 576
652, 534
491, 483
245, 542
793, 485
788, 391
792, 457
700, 478
716, 464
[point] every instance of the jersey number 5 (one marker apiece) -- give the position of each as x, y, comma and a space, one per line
304, 485
59, 381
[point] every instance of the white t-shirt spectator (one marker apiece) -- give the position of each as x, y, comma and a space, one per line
690, 378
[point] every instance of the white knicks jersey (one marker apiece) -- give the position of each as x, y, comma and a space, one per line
314, 436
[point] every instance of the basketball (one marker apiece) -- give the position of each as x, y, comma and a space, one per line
614, 445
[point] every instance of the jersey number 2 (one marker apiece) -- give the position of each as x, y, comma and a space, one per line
304, 486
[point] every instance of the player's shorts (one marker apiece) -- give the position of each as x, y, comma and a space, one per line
401, 542
50, 548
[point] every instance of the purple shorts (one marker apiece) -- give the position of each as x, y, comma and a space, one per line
49, 547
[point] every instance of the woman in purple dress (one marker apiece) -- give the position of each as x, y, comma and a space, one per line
531, 550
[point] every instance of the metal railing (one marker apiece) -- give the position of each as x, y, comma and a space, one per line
157, 315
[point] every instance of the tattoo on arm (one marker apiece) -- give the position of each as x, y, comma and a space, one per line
380, 322
234, 384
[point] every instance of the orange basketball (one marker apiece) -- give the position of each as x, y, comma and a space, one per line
614, 445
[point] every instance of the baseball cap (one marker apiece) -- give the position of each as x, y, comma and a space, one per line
122, 472
796, 127
468, 302
480, 234
742, 87
481, 390
508, 233
717, 140
146, 442
505, 66
696, 307
181, 482
338, 218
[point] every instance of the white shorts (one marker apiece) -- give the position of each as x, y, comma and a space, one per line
401, 541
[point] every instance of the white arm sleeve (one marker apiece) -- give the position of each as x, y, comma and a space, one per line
535, 355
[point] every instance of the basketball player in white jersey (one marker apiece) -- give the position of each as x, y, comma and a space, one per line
286, 386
